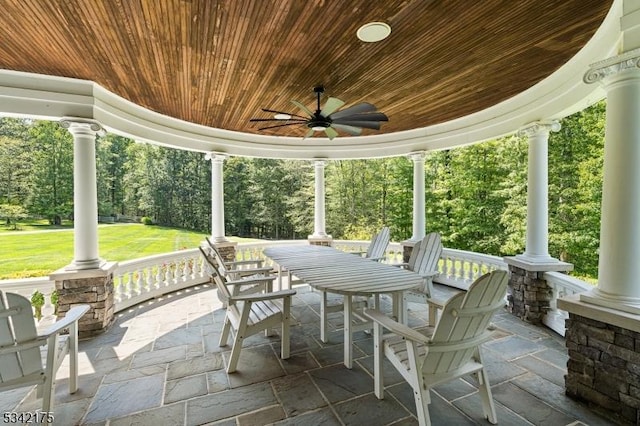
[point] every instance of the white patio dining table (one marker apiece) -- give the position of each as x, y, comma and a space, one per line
333, 271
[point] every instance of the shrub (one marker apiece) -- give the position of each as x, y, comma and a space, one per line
37, 300
146, 220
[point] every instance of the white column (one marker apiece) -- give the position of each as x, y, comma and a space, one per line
419, 221
85, 193
537, 248
217, 197
319, 222
619, 262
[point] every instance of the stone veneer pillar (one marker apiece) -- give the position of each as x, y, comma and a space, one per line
87, 286
88, 279
319, 236
529, 294
603, 330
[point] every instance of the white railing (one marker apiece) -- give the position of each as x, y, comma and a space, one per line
138, 280
28, 286
142, 279
460, 268
561, 285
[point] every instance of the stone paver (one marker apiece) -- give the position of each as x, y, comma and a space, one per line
160, 364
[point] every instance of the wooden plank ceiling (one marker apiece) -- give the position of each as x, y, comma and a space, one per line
217, 63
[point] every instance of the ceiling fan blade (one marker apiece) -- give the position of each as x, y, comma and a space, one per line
332, 105
297, 120
309, 134
331, 133
302, 107
355, 109
358, 123
282, 112
279, 125
353, 131
372, 116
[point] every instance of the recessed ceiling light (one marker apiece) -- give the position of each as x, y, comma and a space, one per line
281, 116
374, 31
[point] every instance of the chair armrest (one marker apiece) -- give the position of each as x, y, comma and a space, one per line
251, 280
400, 265
377, 259
430, 274
245, 262
395, 327
249, 271
72, 316
264, 296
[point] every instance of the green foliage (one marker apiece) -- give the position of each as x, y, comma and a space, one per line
37, 301
12, 214
146, 220
476, 196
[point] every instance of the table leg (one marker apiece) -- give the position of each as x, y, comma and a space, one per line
323, 316
400, 307
279, 277
348, 332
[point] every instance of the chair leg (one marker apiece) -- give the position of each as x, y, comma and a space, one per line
73, 357
423, 399
224, 336
235, 352
286, 324
378, 356
484, 390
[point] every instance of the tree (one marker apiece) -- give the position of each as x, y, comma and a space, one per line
52, 177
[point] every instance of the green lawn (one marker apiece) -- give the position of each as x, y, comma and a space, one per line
33, 254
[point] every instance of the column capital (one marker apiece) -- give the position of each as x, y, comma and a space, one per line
77, 125
539, 127
216, 157
417, 156
612, 66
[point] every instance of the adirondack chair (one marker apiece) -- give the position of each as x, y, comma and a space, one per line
21, 362
424, 262
250, 314
230, 272
450, 352
237, 269
378, 245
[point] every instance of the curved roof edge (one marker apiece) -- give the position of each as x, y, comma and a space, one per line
562, 93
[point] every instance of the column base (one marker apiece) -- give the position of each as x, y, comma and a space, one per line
529, 294
320, 240
227, 249
87, 286
80, 265
407, 249
538, 263
598, 297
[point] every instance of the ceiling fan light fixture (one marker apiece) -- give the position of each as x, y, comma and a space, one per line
373, 32
318, 128
281, 116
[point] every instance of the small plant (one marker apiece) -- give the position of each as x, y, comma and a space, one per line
37, 301
54, 301
146, 220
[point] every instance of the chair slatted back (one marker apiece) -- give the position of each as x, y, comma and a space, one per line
463, 324
379, 243
215, 254
427, 258
17, 326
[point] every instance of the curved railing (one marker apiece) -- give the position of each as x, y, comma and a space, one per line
561, 285
135, 281
146, 278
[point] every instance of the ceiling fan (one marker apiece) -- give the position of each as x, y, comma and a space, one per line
350, 120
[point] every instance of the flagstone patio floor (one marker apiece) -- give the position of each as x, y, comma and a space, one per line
160, 364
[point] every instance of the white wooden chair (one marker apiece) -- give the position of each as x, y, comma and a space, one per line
378, 246
424, 262
451, 351
237, 269
250, 314
21, 358
231, 271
